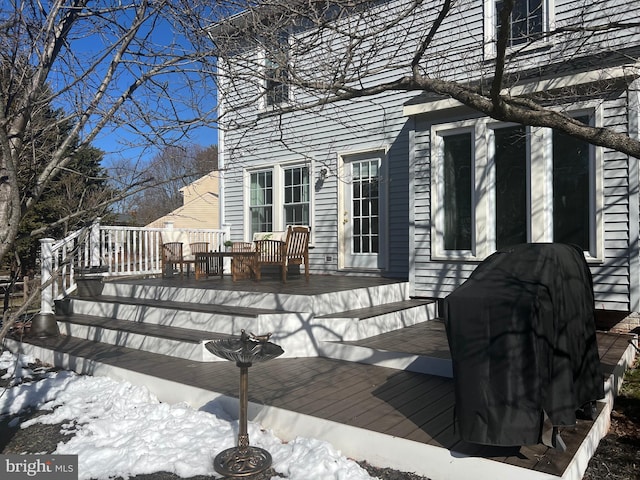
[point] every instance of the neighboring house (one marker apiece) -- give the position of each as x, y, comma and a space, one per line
420, 187
201, 205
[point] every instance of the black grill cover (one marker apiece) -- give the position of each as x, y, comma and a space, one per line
521, 332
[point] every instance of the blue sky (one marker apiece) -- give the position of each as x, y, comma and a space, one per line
125, 142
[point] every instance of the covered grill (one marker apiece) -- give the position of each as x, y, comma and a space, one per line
521, 332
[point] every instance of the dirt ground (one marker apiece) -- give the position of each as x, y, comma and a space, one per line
617, 456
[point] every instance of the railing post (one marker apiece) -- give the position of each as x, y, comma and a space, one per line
94, 242
46, 275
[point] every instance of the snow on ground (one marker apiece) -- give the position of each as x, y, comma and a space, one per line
123, 430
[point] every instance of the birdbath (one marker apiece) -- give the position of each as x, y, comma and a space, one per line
243, 460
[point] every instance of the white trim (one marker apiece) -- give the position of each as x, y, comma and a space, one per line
634, 199
221, 145
531, 87
438, 133
490, 30
262, 97
539, 186
383, 239
277, 203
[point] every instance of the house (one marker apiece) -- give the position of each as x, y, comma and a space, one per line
417, 185
200, 207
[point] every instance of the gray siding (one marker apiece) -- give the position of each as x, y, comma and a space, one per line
611, 276
366, 125
317, 136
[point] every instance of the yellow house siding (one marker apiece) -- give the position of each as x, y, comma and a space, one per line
201, 206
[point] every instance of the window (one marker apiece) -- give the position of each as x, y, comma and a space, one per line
496, 185
528, 21
365, 200
296, 196
278, 197
458, 192
276, 67
571, 186
510, 160
261, 201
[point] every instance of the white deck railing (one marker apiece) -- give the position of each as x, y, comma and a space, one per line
100, 250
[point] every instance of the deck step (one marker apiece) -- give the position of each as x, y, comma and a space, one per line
401, 420
323, 295
370, 312
299, 333
164, 340
190, 315
211, 308
361, 323
420, 348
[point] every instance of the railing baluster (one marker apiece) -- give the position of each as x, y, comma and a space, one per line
121, 249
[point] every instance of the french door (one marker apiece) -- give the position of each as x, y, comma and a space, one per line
362, 215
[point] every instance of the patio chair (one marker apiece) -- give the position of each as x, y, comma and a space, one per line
242, 267
171, 258
294, 250
197, 247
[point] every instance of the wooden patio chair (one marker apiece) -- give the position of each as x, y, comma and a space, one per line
197, 247
171, 257
294, 250
242, 267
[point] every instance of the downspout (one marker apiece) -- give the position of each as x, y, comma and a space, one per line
633, 102
221, 157
412, 206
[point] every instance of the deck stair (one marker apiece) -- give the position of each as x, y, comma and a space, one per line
178, 320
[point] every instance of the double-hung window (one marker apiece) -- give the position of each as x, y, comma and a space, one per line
261, 201
525, 22
496, 185
278, 197
528, 22
296, 195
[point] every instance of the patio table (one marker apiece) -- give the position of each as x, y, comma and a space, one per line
243, 264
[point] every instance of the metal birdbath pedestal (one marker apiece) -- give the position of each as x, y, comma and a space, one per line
243, 460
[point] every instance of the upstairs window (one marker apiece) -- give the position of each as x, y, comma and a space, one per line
276, 70
526, 21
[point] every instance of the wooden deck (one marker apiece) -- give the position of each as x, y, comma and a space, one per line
401, 404
270, 283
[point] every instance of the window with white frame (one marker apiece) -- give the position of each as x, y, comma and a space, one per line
276, 69
278, 197
495, 185
261, 201
528, 21
296, 196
